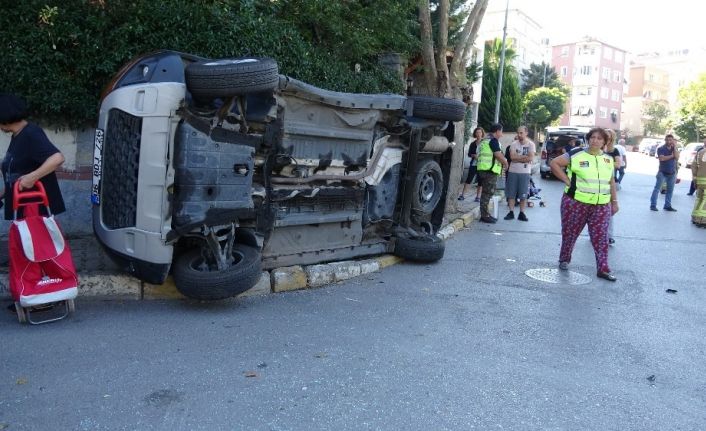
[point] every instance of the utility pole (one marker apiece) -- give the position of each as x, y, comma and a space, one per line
502, 68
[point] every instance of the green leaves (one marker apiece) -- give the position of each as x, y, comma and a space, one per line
691, 116
544, 105
656, 118
59, 55
510, 99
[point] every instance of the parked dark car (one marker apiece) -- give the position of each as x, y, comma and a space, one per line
557, 143
217, 169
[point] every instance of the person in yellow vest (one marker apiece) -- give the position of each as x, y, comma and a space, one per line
491, 161
698, 173
589, 199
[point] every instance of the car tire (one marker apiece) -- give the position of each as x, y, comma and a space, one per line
196, 281
437, 108
229, 77
428, 186
426, 248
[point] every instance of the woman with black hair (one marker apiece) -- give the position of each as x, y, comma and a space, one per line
30, 156
478, 134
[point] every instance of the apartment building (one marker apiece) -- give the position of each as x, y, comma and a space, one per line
523, 33
595, 73
647, 84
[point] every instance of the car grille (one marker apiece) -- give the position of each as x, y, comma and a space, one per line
121, 160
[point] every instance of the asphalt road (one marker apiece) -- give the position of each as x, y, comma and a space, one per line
468, 343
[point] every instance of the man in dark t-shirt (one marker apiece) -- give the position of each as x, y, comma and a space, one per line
30, 156
668, 156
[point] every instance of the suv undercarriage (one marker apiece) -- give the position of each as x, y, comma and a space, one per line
218, 169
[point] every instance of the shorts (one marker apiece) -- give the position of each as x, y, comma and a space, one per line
517, 186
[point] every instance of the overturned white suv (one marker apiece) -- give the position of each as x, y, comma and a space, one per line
218, 169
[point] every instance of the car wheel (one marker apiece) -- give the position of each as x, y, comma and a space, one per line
426, 248
437, 108
428, 186
231, 77
197, 278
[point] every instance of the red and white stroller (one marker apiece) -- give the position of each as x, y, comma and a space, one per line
42, 273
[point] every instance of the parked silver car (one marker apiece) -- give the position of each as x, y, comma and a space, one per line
216, 169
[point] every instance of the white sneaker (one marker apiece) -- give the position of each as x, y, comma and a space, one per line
563, 266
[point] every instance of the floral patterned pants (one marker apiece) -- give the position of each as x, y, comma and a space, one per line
574, 216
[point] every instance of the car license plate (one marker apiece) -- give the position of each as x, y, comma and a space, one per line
97, 166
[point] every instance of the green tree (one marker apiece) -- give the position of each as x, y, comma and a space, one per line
690, 119
510, 99
656, 115
544, 106
540, 75
60, 54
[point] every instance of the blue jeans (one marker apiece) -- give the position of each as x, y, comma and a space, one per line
670, 179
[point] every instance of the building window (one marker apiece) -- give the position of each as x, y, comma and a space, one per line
603, 112
582, 110
564, 51
614, 115
564, 70
616, 76
615, 96
651, 77
607, 53
586, 70
606, 73
618, 56
604, 92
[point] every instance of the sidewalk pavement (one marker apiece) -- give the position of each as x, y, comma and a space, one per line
99, 277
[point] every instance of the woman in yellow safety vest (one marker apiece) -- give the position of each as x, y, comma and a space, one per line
589, 199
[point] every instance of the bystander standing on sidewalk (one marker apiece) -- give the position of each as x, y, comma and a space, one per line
478, 135
521, 153
490, 163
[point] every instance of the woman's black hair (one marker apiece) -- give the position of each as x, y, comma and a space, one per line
12, 109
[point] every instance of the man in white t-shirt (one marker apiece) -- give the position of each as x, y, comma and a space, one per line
620, 171
518, 174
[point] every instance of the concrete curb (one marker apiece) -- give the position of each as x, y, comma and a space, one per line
120, 286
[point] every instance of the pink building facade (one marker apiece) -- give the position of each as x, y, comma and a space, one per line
594, 71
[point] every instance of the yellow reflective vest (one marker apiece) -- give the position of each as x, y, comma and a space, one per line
590, 177
486, 160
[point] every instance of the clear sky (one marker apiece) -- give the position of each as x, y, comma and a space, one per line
634, 25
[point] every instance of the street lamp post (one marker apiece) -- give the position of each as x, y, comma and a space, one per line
502, 68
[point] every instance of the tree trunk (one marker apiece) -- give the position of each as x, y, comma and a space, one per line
443, 85
460, 89
443, 81
425, 30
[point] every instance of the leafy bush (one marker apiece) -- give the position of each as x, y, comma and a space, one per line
60, 54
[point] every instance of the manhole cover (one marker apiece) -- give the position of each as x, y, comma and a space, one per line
557, 276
